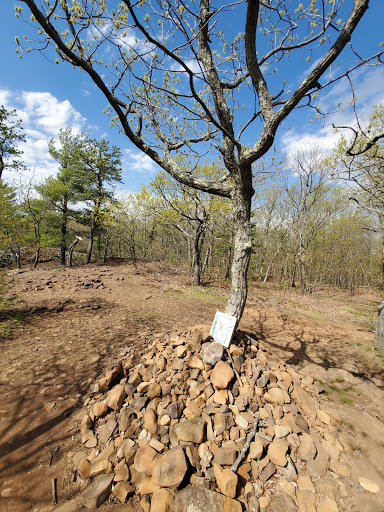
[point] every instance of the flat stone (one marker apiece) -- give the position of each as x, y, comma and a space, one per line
225, 456
195, 362
226, 480
154, 390
212, 353
275, 396
115, 397
221, 375
84, 468
368, 485
199, 499
256, 448
222, 421
162, 501
191, 430
307, 448
328, 487
106, 430
97, 491
121, 472
306, 501
144, 458
100, 467
277, 451
100, 409
169, 471
175, 410
267, 472
282, 502
304, 401
150, 421
327, 505
123, 490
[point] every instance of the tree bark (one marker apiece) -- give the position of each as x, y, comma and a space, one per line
91, 237
71, 249
63, 248
379, 335
242, 248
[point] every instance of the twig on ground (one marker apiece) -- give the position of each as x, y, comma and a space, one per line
246, 445
54, 491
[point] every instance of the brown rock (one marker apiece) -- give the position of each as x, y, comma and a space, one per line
199, 499
368, 485
97, 491
100, 467
222, 421
121, 472
170, 469
306, 501
123, 490
115, 397
153, 390
277, 451
162, 501
307, 448
275, 396
282, 503
150, 421
100, 409
144, 458
327, 505
84, 468
191, 430
195, 362
221, 375
225, 456
226, 480
256, 448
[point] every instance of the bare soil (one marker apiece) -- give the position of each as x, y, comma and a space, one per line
65, 327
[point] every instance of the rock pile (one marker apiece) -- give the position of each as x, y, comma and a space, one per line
187, 422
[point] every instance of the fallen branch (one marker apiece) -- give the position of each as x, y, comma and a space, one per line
246, 445
54, 491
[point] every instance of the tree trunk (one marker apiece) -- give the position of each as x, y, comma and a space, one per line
242, 248
379, 336
37, 257
63, 248
91, 237
71, 249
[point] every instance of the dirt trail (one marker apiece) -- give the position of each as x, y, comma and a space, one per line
66, 326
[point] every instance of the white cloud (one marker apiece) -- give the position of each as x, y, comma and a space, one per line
135, 161
369, 90
42, 115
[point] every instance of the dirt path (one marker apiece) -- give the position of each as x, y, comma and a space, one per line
66, 326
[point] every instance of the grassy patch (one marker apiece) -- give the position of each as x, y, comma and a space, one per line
347, 400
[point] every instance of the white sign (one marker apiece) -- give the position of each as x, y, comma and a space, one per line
222, 328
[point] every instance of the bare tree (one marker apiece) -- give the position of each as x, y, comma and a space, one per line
308, 202
176, 76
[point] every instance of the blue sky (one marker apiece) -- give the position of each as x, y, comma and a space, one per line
49, 97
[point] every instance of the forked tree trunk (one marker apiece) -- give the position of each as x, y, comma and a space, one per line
71, 249
242, 248
379, 336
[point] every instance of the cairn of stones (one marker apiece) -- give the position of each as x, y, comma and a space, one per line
188, 422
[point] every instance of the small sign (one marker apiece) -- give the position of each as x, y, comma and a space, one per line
222, 328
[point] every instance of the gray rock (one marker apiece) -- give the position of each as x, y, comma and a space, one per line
97, 491
191, 430
198, 499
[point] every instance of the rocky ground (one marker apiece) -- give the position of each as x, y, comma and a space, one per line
168, 421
